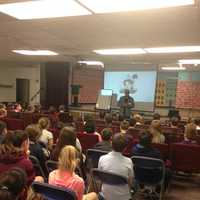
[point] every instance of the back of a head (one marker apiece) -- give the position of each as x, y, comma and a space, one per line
44, 123
197, 121
108, 118
174, 121
12, 184
138, 118
124, 125
190, 131
118, 142
90, 126
145, 139
156, 116
106, 134
15, 138
3, 127
132, 122
34, 132
61, 108
156, 125
68, 158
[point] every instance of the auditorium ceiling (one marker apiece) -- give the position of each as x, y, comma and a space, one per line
76, 37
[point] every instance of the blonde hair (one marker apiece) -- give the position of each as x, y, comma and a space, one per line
67, 159
43, 123
138, 118
190, 131
155, 130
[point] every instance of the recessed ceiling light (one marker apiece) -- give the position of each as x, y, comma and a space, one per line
43, 9
180, 49
173, 68
36, 52
190, 61
91, 63
125, 51
108, 6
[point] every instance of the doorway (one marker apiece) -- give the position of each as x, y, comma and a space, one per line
22, 90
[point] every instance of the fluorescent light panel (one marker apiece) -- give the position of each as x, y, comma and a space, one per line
43, 9
109, 6
36, 52
91, 63
125, 51
173, 68
180, 49
190, 61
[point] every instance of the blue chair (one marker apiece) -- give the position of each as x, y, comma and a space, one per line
93, 156
149, 173
38, 169
51, 192
100, 176
51, 165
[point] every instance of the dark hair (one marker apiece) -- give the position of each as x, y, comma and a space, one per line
132, 122
118, 142
106, 134
145, 139
65, 117
13, 141
156, 116
90, 126
61, 108
67, 137
34, 132
108, 118
174, 121
12, 184
124, 125
197, 121
3, 126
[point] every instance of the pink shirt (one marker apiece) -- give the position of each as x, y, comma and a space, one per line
65, 179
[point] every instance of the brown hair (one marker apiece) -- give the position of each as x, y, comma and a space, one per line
34, 132
43, 123
190, 131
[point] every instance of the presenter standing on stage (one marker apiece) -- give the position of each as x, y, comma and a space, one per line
126, 103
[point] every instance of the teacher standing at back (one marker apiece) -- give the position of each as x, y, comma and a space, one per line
126, 103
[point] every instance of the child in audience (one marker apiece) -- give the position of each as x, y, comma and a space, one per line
46, 137
36, 149
108, 120
174, 122
115, 162
138, 118
14, 152
90, 128
155, 130
190, 134
13, 184
197, 123
124, 127
65, 174
3, 130
67, 137
105, 144
156, 116
62, 108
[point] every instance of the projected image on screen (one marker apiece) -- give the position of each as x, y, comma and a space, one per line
141, 85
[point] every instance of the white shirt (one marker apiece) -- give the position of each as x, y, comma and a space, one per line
46, 136
117, 163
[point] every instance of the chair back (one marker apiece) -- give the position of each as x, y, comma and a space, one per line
109, 177
93, 156
148, 171
51, 192
38, 169
51, 165
185, 157
163, 148
87, 140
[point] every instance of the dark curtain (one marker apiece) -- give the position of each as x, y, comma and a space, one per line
56, 90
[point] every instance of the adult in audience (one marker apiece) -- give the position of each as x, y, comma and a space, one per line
90, 128
67, 137
3, 130
36, 149
65, 174
139, 119
62, 108
156, 116
155, 130
126, 103
190, 134
14, 152
132, 123
115, 162
105, 144
197, 123
46, 137
37, 108
13, 184
64, 119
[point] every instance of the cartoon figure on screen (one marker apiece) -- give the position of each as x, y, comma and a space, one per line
128, 84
